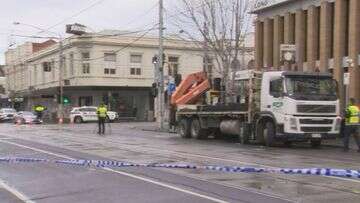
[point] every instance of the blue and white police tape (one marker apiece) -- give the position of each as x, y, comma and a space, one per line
233, 169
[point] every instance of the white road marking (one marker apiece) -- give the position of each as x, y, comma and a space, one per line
167, 186
246, 163
15, 192
124, 173
219, 159
184, 154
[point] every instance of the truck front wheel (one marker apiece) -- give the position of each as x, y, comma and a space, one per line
184, 128
196, 130
269, 134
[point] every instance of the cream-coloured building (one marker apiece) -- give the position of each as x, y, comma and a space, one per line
3, 91
326, 34
115, 69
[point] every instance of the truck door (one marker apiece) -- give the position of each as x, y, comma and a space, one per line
275, 102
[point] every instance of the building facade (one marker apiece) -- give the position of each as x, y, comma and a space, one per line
326, 34
3, 92
105, 67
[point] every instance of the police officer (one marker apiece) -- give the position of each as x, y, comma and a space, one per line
351, 124
39, 109
102, 114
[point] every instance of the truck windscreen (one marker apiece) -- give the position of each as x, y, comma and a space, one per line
311, 88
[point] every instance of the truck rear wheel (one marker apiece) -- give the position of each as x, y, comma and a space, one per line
269, 134
315, 143
184, 128
196, 130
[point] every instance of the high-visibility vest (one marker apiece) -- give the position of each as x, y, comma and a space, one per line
39, 108
102, 112
352, 115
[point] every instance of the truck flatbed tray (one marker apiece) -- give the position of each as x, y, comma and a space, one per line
217, 109
212, 113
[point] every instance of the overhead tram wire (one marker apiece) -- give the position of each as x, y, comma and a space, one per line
74, 15
184, 12
142, 15
126, 46
93, 59
125, 33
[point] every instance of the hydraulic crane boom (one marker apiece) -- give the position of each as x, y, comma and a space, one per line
190, 89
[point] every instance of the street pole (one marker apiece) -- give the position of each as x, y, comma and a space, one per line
161, 68
342, 91
206, 55
61, 108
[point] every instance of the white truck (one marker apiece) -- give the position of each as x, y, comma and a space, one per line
274, 106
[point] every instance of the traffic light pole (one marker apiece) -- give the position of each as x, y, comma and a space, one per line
61, 105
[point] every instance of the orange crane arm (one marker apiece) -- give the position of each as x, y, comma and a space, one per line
190, 89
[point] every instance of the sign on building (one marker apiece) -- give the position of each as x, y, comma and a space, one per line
76, 29
261, 4
288, 52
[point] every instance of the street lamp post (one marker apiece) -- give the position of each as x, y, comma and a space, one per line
346, 96
61, 86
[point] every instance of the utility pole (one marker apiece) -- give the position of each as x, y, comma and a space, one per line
61, 108
161, 68
206, 55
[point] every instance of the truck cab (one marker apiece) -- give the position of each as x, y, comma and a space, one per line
297, 106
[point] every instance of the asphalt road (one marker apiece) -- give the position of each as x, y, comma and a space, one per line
46, 182
127, 142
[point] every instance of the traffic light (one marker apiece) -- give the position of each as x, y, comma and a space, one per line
155, 59
154, 90
66, 100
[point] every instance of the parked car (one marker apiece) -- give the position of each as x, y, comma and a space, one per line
88, 114
7, 114
26, 117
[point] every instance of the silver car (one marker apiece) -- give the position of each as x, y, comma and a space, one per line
26, 117
7, 114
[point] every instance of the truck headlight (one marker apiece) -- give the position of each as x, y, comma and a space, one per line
337, 124
293, 123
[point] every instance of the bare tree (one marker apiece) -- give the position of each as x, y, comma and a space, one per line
221, 27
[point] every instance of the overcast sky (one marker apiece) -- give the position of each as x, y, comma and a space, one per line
105, 14
95, 14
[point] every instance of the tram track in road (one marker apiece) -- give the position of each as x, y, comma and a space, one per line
163, 182
246, 150
180, 156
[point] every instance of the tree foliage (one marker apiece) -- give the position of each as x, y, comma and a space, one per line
220, 26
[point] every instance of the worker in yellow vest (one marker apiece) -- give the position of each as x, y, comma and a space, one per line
39, 109
352, 124
102, 114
